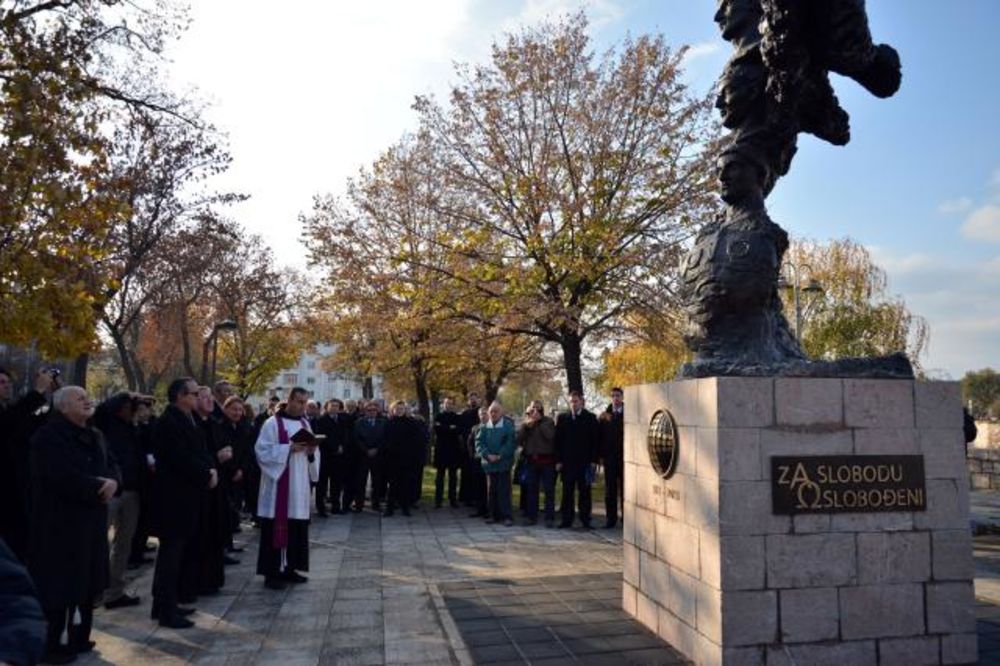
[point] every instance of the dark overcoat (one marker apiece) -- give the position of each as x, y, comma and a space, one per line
68, 552
612, 448
449, 449
577, 440
182, 474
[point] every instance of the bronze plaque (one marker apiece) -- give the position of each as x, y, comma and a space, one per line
847, 484
661, 443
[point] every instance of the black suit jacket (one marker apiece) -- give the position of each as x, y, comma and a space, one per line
182, 473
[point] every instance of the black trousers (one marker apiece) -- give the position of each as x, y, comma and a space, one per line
614, 481
575, 481
331, 484
296, 554
452, 473
477, 486
370, 467
403, 485
61, 619
167, 574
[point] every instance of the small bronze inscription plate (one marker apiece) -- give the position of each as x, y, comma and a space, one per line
842, 484
661, 443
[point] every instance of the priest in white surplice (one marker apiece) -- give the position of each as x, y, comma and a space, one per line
283, 504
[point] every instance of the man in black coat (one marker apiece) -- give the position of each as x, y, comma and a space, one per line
472, 485
403, 458
369, 437
184, 472
333, 465
449, 452
73, 479
577, 435
17, 423
612, 454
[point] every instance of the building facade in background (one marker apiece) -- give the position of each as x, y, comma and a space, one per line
321, 384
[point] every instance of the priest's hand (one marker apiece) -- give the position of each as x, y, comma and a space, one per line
213, 478
225, 454
107, 489
238, 476
299, 448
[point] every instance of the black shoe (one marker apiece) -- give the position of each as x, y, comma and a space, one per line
58, 655
357, 509
587, 526
477, 514
610, 525
81, 648
387, 514
293, 576
563, 526
208, 592
406, 512
176, 622
181, 611
454, 504
437, 505
274, 583
187, 599
531, 522
228, 560
122, 602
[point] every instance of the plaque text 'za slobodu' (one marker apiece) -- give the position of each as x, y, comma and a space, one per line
841, 484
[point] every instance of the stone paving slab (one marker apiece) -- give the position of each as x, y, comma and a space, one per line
437, 588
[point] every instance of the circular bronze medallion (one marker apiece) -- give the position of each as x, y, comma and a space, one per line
661, 442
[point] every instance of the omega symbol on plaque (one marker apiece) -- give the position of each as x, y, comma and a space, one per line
661, 443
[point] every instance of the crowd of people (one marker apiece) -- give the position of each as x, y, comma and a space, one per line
85, 486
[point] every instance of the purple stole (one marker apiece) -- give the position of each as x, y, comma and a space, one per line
280, 536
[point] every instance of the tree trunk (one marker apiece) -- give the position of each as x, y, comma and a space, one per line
80, 370
572, 349
423, 395
367, 388
126, 361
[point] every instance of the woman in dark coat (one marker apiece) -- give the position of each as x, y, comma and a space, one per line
72, 481
234, 433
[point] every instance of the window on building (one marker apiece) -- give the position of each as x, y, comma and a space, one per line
290, 379
347, 393
310, 380
311, 365
312, 394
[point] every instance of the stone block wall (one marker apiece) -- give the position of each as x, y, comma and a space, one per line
984, 468
712, 570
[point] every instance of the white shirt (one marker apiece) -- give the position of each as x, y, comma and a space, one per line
273, 458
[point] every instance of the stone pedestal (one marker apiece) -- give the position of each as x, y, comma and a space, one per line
713, 570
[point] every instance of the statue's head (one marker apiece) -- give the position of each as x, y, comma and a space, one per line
741, 180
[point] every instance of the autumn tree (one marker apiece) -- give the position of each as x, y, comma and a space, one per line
981, 390
572, 180
855, 315
67, 68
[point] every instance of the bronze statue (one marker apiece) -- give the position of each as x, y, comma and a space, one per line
775, 85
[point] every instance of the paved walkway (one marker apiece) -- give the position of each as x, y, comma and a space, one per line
437, 588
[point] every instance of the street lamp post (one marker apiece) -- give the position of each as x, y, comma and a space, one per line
224, 325
796, 285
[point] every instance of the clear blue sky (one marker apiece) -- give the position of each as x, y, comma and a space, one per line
919, 184
918, 167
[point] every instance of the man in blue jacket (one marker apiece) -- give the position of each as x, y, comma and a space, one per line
495, 447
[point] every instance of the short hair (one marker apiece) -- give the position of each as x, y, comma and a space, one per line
337, 401
617, 388
231, 399
297, 390
5, 371
274, 398
397, 403
202, 389
62, 396
176, 387
219, 384
576, 394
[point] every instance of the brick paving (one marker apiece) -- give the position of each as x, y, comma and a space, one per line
437, 588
